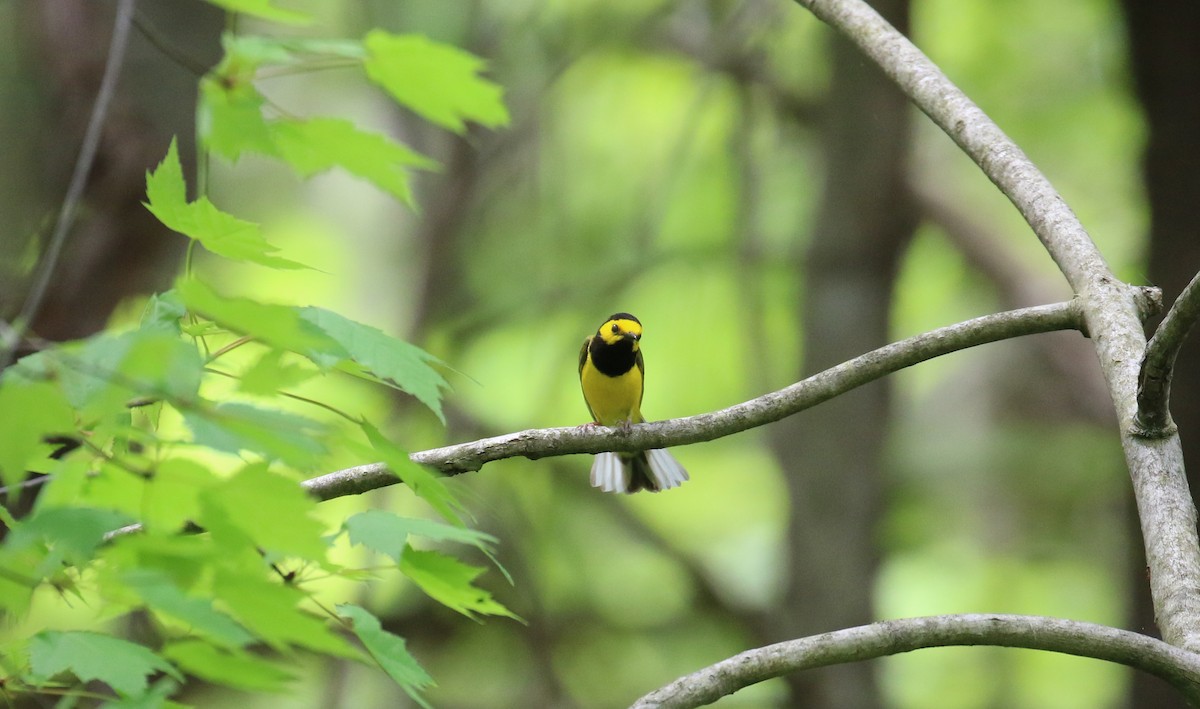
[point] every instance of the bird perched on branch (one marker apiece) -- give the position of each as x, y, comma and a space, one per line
611, 374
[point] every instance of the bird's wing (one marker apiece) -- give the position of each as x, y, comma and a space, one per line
583, 357
583, 354
641, 365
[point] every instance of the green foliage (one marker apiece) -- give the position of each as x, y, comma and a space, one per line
29, 411
70, 535
233, 668
118, 663
439, 82
387, 533
314, 146
264, 9
219, 232
172, 492
418, 479
159, 592
384, 358
436, 81
265, 510
449, 582
235, 428
389, 651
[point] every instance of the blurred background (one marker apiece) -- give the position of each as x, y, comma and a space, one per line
768, 205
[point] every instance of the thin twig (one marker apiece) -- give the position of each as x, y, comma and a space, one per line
539, 443
164, 45
891, 637
83, 167
1154, 384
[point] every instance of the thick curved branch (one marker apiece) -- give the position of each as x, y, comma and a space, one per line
1154, 384
539, 443
891, 637
978, 136
1109, 307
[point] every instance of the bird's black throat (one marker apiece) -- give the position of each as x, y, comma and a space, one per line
612, 360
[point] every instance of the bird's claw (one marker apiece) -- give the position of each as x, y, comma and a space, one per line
625, 427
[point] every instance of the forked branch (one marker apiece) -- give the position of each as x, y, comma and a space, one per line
1109, 308
1154, 385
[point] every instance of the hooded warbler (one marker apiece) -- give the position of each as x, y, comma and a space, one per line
611, 373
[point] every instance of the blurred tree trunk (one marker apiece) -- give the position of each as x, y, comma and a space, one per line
116, 248
831, 455
1165, 56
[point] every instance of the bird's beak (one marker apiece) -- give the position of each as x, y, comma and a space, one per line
631, 336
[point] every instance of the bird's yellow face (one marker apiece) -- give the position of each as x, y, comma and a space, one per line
617, 329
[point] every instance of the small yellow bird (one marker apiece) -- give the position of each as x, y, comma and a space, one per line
611, 373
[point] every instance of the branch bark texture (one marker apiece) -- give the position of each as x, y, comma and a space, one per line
1154, 386
540, 443
1164, 59
1179, 667
1109, 308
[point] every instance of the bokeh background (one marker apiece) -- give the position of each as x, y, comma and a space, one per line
768, 205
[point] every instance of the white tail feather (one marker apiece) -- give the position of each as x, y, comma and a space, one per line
667, 471
611, 474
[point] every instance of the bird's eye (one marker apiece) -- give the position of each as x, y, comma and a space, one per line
615, 328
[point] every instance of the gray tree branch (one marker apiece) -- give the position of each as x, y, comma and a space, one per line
1179, 667
546, 442
540, 443
1109, 307
1154, 386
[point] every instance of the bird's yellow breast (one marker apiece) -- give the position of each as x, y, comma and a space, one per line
613, 400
